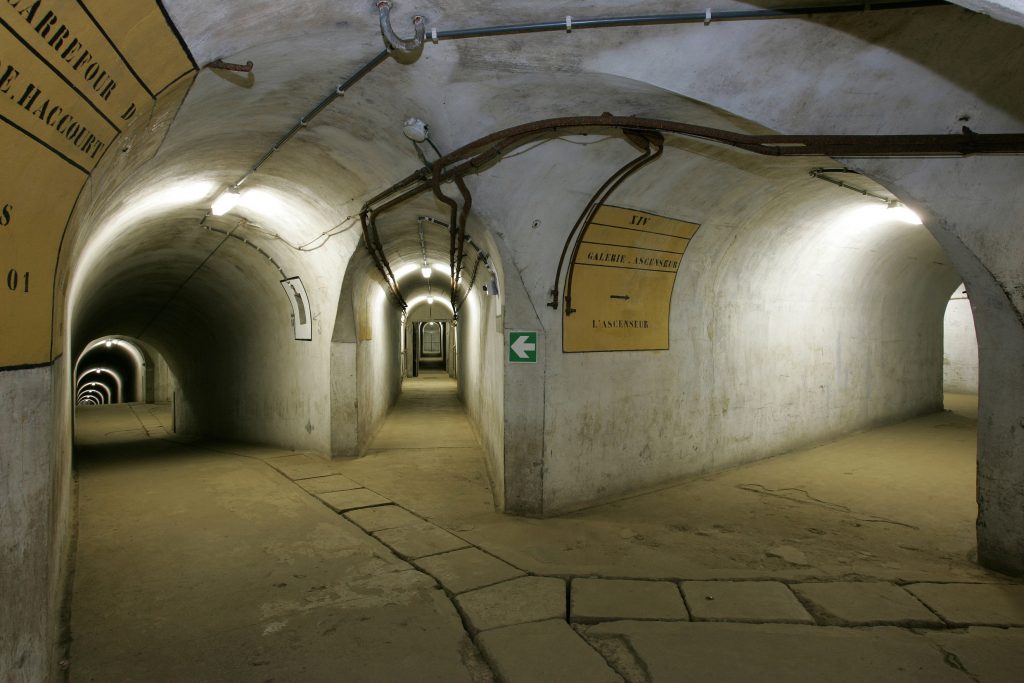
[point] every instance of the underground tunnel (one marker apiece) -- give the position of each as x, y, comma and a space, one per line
555, 306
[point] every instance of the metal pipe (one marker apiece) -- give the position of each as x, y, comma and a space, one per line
590, 209
408, 46
607, 22
314, 112
702, 17
453, 213
476, 154
819, 174
371, 240
404, 46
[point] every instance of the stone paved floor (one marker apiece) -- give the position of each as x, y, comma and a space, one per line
813, 566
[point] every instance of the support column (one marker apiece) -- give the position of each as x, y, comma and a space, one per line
35, 484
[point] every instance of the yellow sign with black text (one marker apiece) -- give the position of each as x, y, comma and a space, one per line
74, 74
619, 291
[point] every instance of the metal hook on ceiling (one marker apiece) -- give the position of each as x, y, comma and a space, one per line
408, 48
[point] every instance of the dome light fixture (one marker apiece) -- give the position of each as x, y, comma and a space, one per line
415, 129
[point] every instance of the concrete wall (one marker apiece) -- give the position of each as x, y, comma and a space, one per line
798, 315
378, 361
960, 346
242, 374
35, 519
481, 380
164, 383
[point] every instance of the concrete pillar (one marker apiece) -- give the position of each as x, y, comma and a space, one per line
344, 406
524, 405
1000, 522
34, 519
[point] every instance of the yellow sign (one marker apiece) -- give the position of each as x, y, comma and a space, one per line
619, 291
30, 199
73, 75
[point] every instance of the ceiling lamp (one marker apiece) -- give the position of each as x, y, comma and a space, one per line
225, 202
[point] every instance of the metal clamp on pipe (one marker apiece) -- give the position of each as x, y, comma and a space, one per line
403, 49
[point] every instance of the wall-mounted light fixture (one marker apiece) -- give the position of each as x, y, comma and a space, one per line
897, 211
225, 202
901, 213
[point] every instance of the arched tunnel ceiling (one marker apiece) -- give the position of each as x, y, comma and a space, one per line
315, 185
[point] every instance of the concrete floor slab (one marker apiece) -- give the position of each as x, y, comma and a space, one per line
824, 501
341, 501
421, 421
864, 603
301, 466
544, 652
420, 540
328, 484
749, 601
665, 652
195, 565
527, 599
974, 604
992, 655
594, 600
263, 597
382, 517
467, 569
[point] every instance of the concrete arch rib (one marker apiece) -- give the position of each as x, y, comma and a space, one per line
365, 366
958, 219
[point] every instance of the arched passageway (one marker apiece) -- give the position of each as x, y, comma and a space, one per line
265, 229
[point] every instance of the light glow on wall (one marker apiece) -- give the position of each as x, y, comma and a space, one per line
880, 213
423, 299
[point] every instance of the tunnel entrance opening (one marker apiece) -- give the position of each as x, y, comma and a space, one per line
430, 341
960, 355
116, 376
111, 370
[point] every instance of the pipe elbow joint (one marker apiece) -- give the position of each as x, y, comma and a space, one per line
403, 49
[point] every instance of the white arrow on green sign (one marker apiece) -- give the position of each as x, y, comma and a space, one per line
522, 347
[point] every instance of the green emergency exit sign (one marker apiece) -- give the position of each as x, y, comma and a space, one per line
522, 347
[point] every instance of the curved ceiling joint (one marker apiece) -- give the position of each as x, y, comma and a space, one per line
244, 241
403, 49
